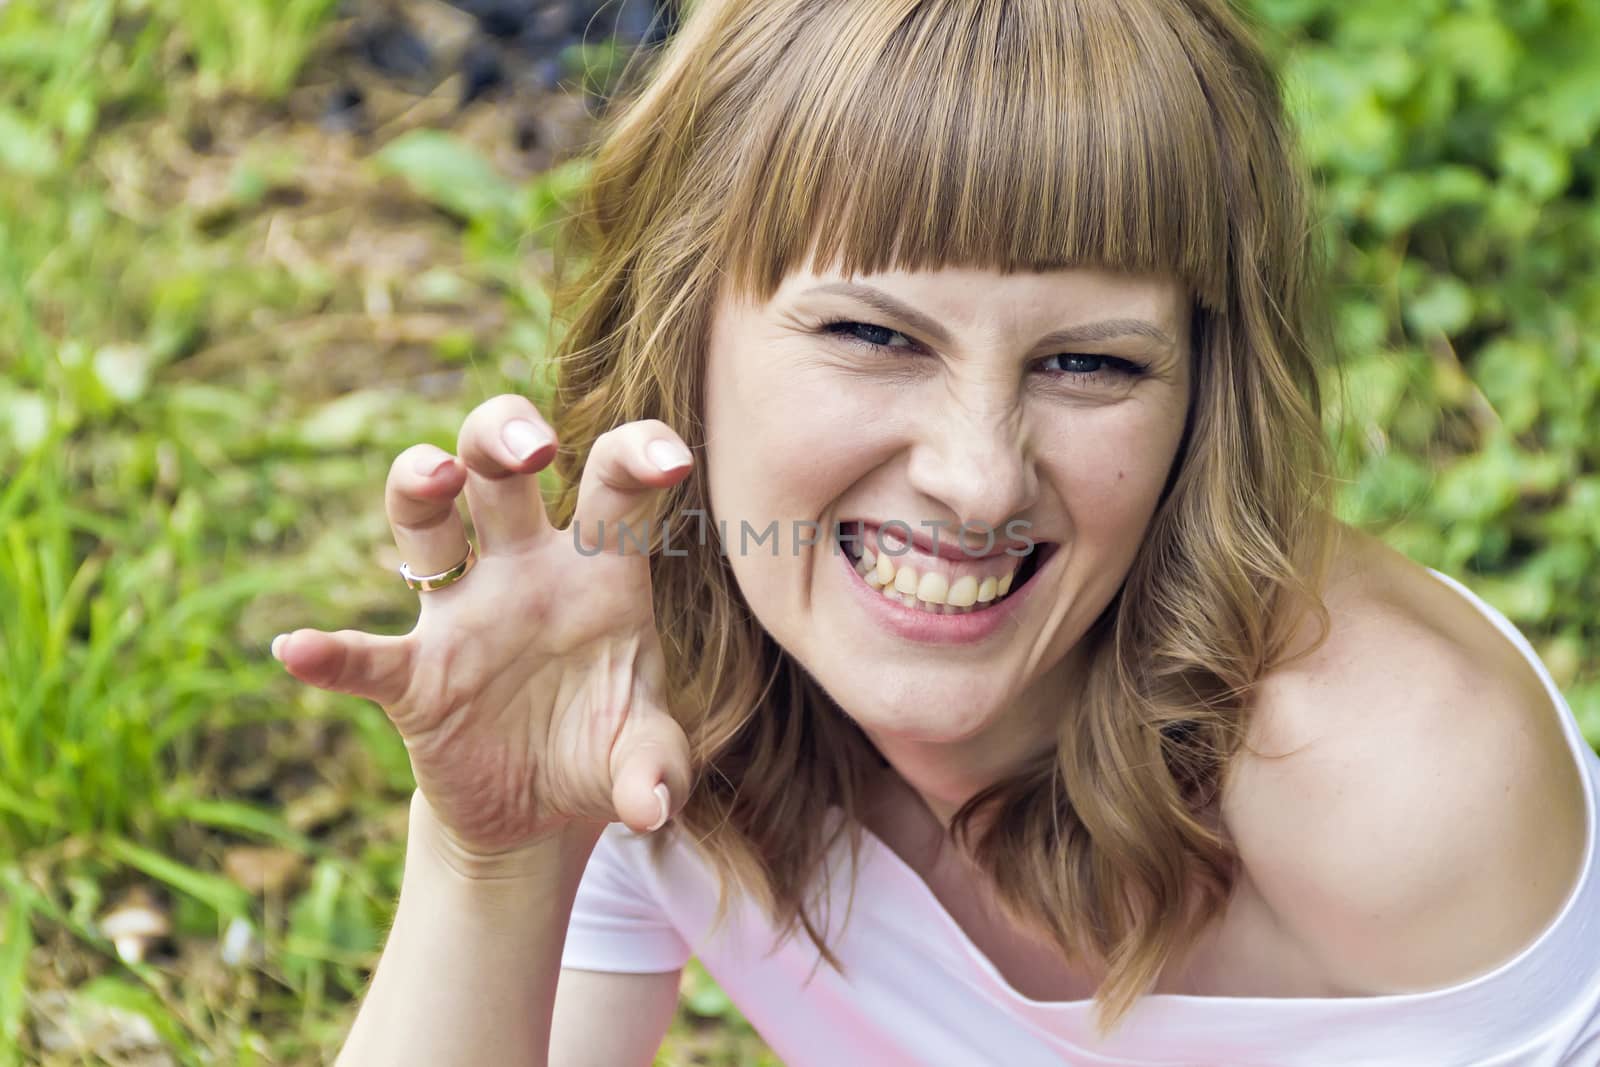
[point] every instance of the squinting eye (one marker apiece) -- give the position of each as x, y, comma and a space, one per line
1079, 364
864, 333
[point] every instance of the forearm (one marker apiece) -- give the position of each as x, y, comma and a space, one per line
468, 974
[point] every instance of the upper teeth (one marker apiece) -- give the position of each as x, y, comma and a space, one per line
934, 579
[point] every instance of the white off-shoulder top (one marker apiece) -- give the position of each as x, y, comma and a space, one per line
918, 991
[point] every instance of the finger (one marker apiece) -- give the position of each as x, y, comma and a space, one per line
420, 499
650, 779
504, 443
626, 470
348, 661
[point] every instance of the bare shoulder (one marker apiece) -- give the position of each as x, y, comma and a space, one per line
1408, 806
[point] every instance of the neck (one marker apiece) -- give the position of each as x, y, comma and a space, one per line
941, 775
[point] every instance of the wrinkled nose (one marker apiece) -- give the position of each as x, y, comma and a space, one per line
976, 465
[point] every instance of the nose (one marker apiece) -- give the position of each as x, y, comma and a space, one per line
976, 463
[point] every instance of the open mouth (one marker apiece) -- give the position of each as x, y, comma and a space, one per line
935, 585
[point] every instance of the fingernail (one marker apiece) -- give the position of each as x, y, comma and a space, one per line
429, 465
277, 646
668, 455
666, 806
523, 438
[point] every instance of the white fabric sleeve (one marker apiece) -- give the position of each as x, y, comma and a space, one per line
618, 923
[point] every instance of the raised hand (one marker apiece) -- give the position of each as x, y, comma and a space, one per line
530, 692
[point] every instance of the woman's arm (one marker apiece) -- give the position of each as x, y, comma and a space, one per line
468, 975
607, 1019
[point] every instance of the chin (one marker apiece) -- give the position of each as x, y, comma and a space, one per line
923, 722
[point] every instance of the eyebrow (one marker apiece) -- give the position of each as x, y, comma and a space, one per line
1099, 330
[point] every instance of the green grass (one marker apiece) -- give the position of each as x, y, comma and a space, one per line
190, 415
112, 661
254, 47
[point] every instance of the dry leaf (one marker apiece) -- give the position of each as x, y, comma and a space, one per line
261, 869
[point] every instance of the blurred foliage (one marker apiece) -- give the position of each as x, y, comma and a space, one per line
1455, 146
197, 408
248, 46
196, 403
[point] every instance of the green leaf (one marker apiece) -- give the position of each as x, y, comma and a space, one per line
1522, 598
1400, 200
1481, 49
450, 174
1443, 305
1510, 372
350, 420
1538, 166
1476, 488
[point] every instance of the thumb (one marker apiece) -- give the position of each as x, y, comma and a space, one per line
651, 779
347, 661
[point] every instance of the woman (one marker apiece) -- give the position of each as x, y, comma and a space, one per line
1147, 760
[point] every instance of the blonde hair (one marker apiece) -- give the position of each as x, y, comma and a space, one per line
1142, 135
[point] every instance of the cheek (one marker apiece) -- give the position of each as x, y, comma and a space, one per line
781, 437
782, 445
1110, 472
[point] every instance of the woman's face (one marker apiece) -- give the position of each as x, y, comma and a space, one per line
943, 399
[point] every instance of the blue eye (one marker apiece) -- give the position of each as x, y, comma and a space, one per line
1081, 364
863, 333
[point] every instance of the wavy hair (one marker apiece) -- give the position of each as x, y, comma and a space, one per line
1139, 135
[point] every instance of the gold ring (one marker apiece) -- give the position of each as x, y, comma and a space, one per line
430, 582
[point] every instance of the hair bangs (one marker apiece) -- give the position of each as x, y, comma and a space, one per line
1014, 135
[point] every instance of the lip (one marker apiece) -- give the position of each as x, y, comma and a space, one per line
925, 628
949, 547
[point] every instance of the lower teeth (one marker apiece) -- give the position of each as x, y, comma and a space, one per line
933, 609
